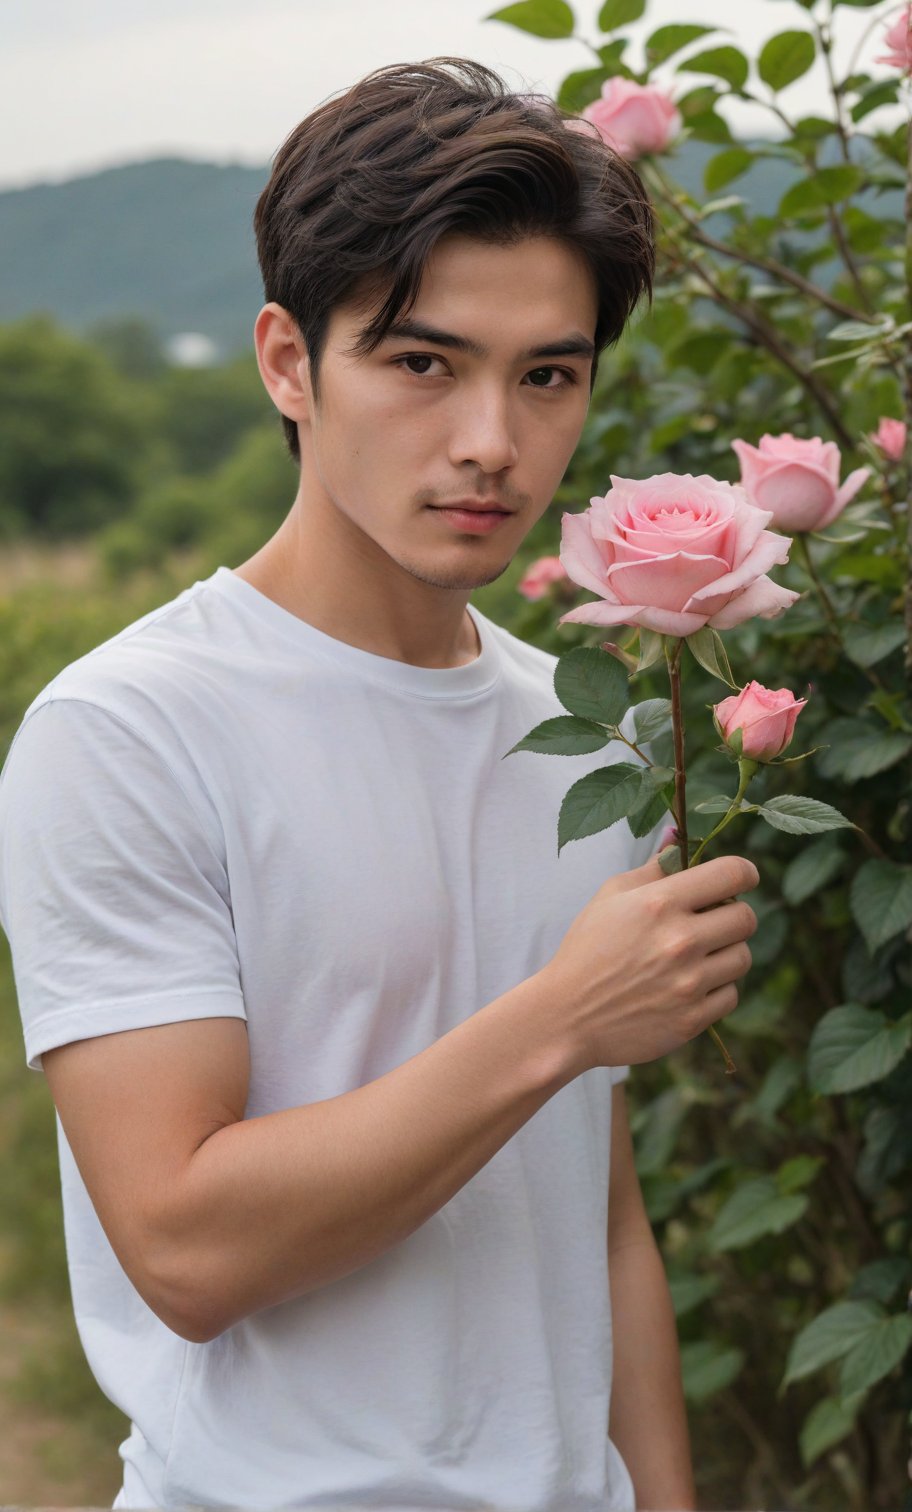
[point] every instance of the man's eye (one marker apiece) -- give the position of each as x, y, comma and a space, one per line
541, 377
422, 359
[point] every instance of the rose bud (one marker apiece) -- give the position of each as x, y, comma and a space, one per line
765, 716
633, 118
890, 436
796, 480
538, 577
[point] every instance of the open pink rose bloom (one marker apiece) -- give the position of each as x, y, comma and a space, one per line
634, 118
540, 575
890, 436
673, 553
898, 40
765, 716
797, 480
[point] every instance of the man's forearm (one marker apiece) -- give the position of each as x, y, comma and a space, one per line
648, 1419
271, 1207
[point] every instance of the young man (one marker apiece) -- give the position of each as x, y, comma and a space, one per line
335, 1039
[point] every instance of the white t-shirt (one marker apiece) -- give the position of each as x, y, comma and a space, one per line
223, 811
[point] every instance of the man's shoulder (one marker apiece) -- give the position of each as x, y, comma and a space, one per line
139, 666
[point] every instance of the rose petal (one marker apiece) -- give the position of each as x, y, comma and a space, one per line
580, 556
602, 613
797, 493
665, 582
769, 550
762, 599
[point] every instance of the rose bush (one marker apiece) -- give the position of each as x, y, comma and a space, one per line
781, 1201
797, 480
673, 554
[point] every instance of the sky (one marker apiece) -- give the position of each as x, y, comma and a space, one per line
90, 84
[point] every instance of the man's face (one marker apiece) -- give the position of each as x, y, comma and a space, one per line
480, 396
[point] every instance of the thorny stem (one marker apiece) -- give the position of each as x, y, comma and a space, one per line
825, 39
767, 336
673, 662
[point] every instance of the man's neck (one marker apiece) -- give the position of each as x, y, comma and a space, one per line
363, 615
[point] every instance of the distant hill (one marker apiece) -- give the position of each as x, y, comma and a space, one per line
168, 240
171, 241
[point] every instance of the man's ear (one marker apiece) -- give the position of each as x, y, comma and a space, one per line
283, 362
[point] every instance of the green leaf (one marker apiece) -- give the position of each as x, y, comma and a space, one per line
650, 718
668, 40
853, 1046
869, 644
564, 736
827, 187
652, 808
724, 62
876, 1354
655, 1128
670, 860
707, 647
615, 13
884, 93
798, 815
756, 1208
719, 803
811, 870
687, 1292
838, 183
826, 1424
707, 1367
598, 800
797, 1173
543, 18
579, 89
725, 166
859, 749
881, 900
882, 1279
829, 1337
651, 649
853, 330
592, 684
785, 58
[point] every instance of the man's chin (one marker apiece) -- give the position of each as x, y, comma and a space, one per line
464, 580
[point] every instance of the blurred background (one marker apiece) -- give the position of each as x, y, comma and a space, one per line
139, 451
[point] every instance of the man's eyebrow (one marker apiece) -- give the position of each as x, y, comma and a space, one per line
574, 345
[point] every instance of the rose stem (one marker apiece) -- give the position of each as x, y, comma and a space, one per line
673, 661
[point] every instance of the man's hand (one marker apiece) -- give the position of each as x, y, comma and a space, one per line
652, 960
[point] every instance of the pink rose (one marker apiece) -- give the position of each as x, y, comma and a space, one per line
765, 716
672, 554
634, 118
797, 481
890, 436
899, 41
538, 577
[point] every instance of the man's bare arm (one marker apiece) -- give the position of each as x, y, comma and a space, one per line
214, 1215
648, 1419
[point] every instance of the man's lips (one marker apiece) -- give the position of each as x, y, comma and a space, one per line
474, 506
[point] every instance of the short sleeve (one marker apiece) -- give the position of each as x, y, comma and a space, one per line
113, 894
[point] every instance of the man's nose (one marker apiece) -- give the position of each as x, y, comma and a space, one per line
484, 433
